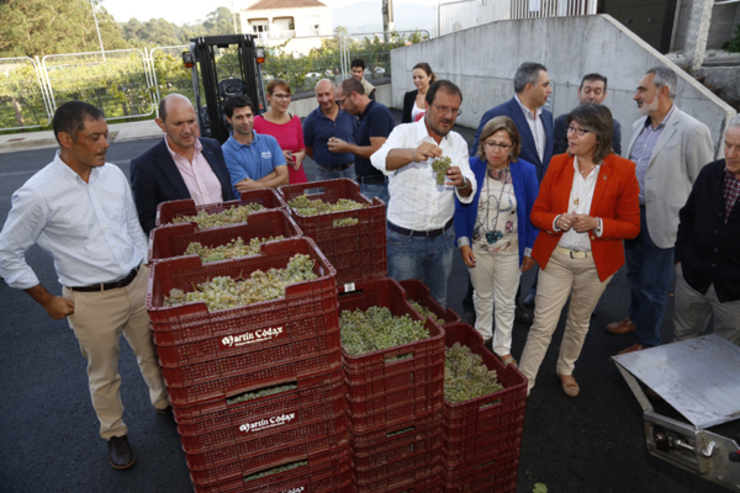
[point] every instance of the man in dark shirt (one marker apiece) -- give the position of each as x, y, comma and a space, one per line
707, 256
376, 123
322, 124
592, 91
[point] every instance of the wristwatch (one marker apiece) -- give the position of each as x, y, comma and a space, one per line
465, 183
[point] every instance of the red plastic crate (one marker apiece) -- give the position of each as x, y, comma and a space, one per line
375, 449
405, 472
312, 390
469, 420
317, 353
326, 472
193, 321
267, 197
419, 292
173, 240
490, 473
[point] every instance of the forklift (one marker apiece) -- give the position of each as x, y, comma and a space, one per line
204, 52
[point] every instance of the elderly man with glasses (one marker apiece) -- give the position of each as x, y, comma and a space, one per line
420, 229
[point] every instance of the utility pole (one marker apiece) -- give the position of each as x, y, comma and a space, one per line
387, 19
233, 17
95, 16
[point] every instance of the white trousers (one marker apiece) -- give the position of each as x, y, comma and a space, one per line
692, 311
563, 276
495, 279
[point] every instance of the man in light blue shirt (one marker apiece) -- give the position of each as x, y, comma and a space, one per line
79, 209
253, 160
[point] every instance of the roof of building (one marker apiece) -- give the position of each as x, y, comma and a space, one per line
285, 4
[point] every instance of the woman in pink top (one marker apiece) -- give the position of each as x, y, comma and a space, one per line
285, 127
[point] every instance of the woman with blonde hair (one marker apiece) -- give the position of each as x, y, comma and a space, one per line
494, 233
286, 128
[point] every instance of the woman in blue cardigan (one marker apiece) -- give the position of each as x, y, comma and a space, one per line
494, 233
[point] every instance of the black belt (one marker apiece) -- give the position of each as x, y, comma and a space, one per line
109, 285
371, 180
341, 167
426, 234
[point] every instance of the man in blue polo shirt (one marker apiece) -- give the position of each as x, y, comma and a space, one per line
376, 123
253, 160
322, 124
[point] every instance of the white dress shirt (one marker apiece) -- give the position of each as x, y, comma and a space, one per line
536, 127
417, 202
91, 230
581, 196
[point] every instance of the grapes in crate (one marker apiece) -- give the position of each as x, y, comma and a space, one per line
234, 249
376, 329
233, 215
307, 207
226, 292
466, 377
424, 311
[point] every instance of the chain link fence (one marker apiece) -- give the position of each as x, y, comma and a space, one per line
23, 102
376, 52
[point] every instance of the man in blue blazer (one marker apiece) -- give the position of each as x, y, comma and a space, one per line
181, 166
532, 87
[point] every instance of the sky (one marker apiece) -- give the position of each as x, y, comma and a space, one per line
173, 11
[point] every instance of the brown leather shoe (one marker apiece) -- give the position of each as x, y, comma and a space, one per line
631, 349
622, 327
120, 454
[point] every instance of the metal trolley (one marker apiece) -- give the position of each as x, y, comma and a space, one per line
700, 379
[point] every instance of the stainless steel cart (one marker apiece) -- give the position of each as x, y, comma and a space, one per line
700, 379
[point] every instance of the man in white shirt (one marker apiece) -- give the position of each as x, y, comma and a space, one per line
79, 210
420, 228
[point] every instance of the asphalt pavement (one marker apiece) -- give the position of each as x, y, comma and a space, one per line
50, 441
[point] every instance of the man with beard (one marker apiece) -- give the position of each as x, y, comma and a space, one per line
326, 122
253, 160
669, 148
420, 228
181, 166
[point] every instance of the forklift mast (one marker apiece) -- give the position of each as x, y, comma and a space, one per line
216, 90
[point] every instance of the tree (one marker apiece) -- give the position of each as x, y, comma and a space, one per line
43, 27
220, 21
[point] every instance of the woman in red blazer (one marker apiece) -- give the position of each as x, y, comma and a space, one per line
588, 204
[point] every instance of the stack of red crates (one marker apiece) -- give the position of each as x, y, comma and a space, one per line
357, 251
481, 438
395, 400
208, 358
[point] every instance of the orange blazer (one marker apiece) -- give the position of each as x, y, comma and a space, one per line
616, 201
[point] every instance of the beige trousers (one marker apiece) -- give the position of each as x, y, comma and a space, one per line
562, 277
98, 321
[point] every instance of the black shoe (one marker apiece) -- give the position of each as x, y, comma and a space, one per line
528, 300
167, 411
120, 454
468, 318
524, 316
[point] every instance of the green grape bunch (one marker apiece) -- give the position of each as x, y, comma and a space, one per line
440, 167
275, 470
225, 292
233, 249
307, 207
377, 328
424, 311
232, 215
466, 377
248, 396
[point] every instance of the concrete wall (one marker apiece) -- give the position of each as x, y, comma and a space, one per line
305, 103
482, 61
724, 20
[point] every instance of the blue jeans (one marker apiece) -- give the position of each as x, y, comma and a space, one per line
649, 270
380, 191
331, 174
426, 259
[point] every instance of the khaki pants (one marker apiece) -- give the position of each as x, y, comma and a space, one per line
562, 276
98, 321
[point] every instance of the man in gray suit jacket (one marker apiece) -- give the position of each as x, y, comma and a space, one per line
669, 148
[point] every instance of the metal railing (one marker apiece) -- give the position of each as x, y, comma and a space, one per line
454, 16
24, 101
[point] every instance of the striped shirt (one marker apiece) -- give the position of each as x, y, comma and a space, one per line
642, 151
91, 229
536, 126
731, 191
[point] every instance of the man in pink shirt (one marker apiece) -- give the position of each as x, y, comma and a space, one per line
181, 166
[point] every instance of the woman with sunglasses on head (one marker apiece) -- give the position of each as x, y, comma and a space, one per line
494, 233
286, 128
413, 101
588, 203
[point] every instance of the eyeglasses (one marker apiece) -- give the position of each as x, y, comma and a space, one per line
494, 145
340, 102
281, 96
444, 110
578, 131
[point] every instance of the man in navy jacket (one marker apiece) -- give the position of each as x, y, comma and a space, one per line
180, 166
